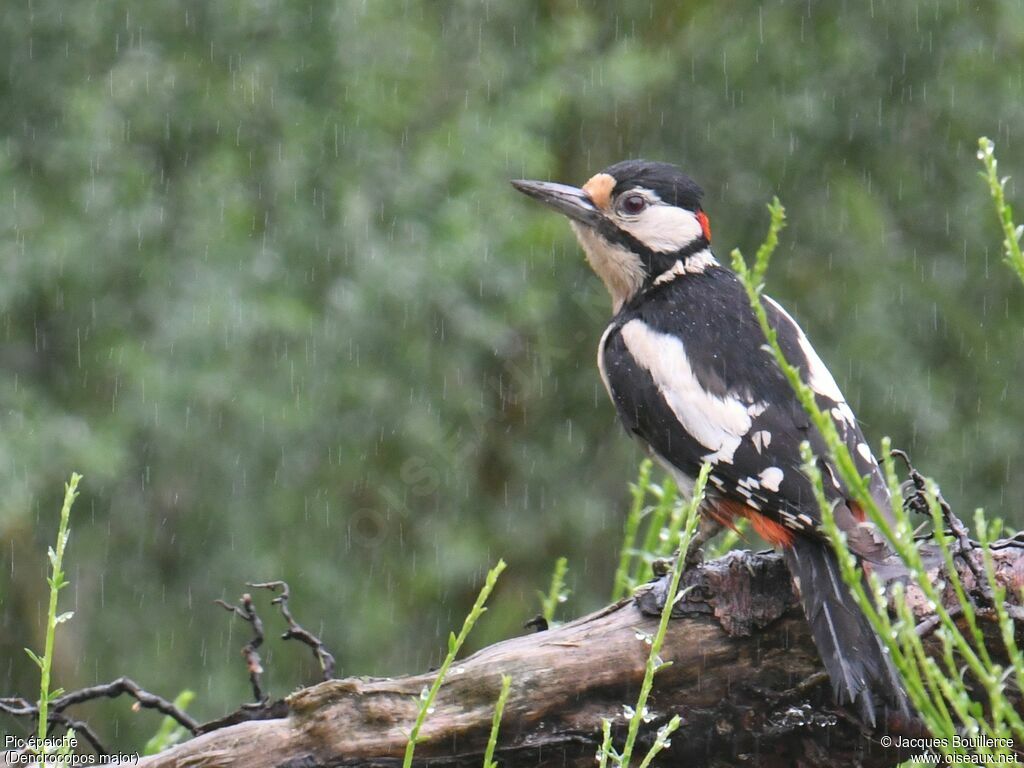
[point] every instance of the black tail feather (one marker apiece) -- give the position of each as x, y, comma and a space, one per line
860, 669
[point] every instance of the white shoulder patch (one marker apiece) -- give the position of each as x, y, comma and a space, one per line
717, 423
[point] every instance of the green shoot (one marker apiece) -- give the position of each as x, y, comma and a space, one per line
557, 593
454, 645
938, 690
651, 531
662, 529
606, 748
170, 733
57, 582
622, 586
639, 713
1012, 233
499, 709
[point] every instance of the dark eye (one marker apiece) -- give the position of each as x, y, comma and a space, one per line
633, 204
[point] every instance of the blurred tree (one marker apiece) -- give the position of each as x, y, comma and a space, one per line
265, 284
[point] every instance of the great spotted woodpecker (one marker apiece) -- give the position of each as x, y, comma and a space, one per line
686, 365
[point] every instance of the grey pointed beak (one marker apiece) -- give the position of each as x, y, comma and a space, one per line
570, 201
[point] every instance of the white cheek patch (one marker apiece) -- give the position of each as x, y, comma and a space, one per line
717, 423
663, 228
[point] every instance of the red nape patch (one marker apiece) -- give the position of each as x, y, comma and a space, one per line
726, 511
704, 224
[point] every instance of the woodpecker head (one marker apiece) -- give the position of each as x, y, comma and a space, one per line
638, 222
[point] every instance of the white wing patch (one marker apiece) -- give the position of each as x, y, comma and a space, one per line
717, 423
761, 439
771, 478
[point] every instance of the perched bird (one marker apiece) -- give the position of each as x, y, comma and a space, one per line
688, 369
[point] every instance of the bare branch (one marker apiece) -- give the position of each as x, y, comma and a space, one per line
295, 631
247, 613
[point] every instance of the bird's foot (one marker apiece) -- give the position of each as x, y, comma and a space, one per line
662, 566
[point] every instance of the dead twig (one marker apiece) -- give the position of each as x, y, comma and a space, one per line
81, 728
264, 708
18, 707
126, 686
930, 624
964, 545
296, 631
250, 652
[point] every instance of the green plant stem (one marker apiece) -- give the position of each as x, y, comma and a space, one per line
997, 188
929, 687
556, 592
654, 662
662, 517
57, 582
499, 709
622, 584
454, 645
1005, 622
661, 741
605, 751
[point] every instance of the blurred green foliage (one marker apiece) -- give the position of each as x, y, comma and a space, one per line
264, 283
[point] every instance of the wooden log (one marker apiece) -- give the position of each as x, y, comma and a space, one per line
744, 677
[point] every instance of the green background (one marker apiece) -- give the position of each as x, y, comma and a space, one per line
264, 283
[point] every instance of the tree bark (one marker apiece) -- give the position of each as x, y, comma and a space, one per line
745, 678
